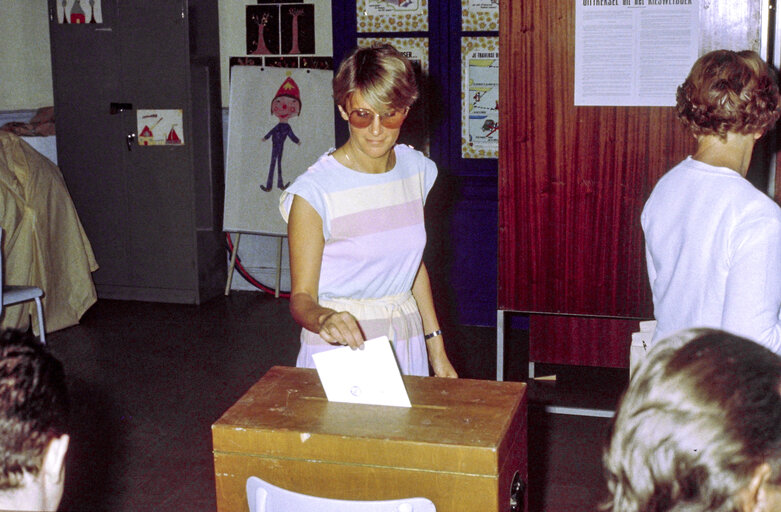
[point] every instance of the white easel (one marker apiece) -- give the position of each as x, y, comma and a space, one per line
235, 252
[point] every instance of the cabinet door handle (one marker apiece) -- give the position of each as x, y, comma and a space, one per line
131, 137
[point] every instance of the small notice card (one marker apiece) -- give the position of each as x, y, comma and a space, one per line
368, 376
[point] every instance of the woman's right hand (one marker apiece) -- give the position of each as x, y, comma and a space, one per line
341, 328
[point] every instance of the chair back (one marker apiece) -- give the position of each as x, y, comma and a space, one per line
264, 497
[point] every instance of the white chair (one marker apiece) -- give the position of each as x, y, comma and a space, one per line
264, 497
16, 294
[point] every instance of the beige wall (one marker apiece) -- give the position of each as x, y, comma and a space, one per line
25, 59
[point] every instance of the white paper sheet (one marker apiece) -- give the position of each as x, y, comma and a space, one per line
633, 52
367, 376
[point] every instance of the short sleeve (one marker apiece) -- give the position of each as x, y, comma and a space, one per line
421, 163
308, 190
429, 177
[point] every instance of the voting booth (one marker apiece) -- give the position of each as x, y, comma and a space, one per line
462, 444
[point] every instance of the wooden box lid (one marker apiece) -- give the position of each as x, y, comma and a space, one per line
457, 425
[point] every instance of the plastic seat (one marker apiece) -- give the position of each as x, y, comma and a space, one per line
264, 497
14, 294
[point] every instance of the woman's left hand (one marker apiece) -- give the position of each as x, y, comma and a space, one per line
439, 360
443, 368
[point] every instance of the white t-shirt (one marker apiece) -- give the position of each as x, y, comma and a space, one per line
373, 224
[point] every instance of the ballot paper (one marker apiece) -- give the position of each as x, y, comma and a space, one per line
364, 376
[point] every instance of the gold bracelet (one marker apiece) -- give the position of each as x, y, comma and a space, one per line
434, 334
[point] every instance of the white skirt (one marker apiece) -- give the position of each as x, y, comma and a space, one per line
396, 317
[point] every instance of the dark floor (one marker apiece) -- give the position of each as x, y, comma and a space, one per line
148, 380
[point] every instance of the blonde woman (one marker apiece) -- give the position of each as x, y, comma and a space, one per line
356, 225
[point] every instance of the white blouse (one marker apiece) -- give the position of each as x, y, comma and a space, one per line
713, 250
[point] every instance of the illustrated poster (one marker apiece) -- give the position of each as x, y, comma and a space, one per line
77, 12
392, 15
289, 34
280, 123
159, 127
276, 29
480, 97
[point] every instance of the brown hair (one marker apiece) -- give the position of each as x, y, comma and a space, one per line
382, 75
702, 412
728, 91
33, 405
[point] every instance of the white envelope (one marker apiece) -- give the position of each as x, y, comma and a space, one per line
368, 376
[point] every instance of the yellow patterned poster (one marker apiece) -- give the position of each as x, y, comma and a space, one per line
480, 97
392, 15
477, 15
414, 48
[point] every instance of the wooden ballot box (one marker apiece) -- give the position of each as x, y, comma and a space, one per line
462, 444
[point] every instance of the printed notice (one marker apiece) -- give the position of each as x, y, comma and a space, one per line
633, 52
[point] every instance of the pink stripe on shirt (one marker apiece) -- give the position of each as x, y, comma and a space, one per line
379, 220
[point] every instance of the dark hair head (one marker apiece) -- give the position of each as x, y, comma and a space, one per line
702, 412
33, 405
383, 76
729, 91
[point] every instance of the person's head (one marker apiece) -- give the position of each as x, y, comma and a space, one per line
374, 89
287, 101
729, 91
33, 424
382, 75
698, 429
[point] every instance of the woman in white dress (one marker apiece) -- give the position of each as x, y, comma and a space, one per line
356, 225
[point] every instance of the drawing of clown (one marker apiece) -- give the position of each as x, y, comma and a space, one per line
285, 105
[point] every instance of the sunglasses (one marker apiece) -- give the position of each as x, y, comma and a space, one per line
361, 118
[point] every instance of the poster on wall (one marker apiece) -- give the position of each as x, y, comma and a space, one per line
414, 48
280, 29
480, 97
274, 33
479, 15
416, 129
279, 124
392, 15
77, 12
159, 127
633, 55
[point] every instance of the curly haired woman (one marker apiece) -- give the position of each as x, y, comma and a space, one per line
713, 241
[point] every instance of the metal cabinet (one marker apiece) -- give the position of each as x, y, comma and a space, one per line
152, 213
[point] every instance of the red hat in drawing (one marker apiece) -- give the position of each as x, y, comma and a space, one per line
289, 88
